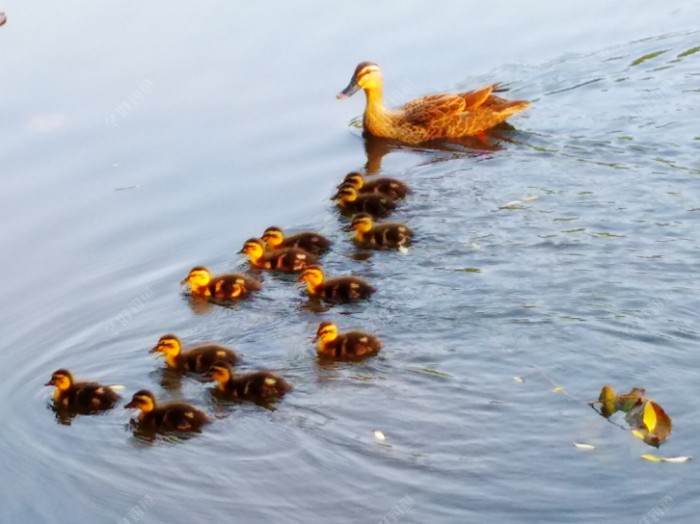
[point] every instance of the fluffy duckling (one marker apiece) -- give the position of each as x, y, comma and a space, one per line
391, 187
340, 289
257, 385
369, 235
308, 241
173, 416
350, 345
197, 359
82, 396
287, 260
229, 286
349, 201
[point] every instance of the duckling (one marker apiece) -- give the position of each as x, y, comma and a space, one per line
391, 187
229, 286
173, 416
341, 289
350, 345
257, 385
310, 242
81, 396
431, 117
349, 201
287, 260
369, 235
197, 359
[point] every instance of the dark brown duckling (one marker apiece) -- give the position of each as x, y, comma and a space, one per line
197, 359
228, 286
391, 187
369, 235
340, 289
173, 416
287, 260
350, 346
310, 242
257, 385
81, 396
349, 202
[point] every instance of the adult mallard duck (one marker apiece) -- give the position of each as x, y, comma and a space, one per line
81, 396
308, 241
338, 289
431, 117
197, 359
391, 187
349, 346
173, 416
256, 385
229, 286
286, 260
369, 235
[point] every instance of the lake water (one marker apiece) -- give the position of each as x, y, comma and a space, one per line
141, 140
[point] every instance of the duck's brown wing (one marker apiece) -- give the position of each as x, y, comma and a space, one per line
432, 108
438, 107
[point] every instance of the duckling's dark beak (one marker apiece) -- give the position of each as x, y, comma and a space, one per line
241, 251
183, 282
49, 383
350, 90
154, 350
130, 405
348, 228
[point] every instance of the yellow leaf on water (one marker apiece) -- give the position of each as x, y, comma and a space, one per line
652, 458
649, 417
557, 389
638, 434
586, 447
518, 379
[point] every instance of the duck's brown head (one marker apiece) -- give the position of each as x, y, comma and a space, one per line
273, 236
62, 379
254, 248
326, 332
313, 276
221, 372
347, 192
361, 223
143, 400
354, 178
169, 345
367, 76
198, 278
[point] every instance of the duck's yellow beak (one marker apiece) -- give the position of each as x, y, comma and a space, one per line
352, 88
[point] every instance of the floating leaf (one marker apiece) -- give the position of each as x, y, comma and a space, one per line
689, 52
656, 458
519, 379
557, 389
645, 417
379, 435
605, 234
470, 270
649, 417
646, 57
585, 447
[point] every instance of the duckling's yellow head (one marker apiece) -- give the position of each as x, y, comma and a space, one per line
169, 345
143, 400
312, 275
327, 332
62, 379
221, 372
197, 278
367, 76
254, 248
362, 222
273, 236
354, 178
346, 193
